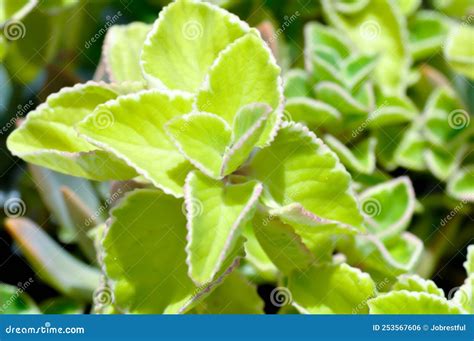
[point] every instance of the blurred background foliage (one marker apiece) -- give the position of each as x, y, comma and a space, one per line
61, 45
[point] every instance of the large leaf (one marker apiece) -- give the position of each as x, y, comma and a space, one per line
299, 168
216, 214
406, 302
144, 257
377, 29
47, 137
51, 262
121, 51
185, 41
136, 135
331, 289
244, 73
389, 206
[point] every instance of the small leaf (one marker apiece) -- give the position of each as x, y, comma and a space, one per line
392, 110
458, 49
410, 152
464, 296
202, 138
461, 184
244, 73
361, 158
136, 134
185, 41
16, 301
47, 137
469, 263
389, 206
216, 214
406, 302
415, 283
51, 262
299, 168
331, 289
234, 296
121, 51
340, 98
442, 163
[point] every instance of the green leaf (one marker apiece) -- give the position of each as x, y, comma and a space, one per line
361, 158
415, 283
313, 113
428, 31
148, 272
202, 138
51, 262
47, 137
358, 69
249, 125
458, 50
446, 122
185, 41
299, 168
341, 99
442, 163
406, 302
377, 29
15, 300
410, 152
248, 69
389, 206
461, 184
408, 7
216, 214
234, 296
121, 51
15, 9
392, 110
388, 258
296, 84
331, 289
281, 243
464, 296
136, 134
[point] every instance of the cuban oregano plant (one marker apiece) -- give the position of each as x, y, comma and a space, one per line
223, 184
